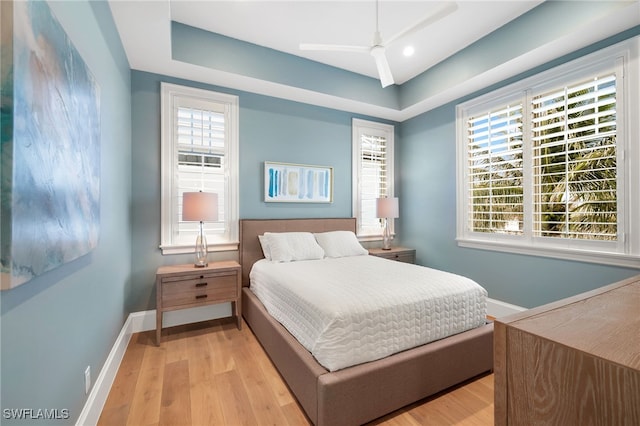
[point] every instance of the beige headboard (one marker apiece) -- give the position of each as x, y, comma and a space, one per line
250, 250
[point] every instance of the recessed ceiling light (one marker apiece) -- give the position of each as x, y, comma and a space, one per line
408, 51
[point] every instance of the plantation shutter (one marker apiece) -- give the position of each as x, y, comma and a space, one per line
574, 157
580, 180
495, 170
200, 144
373, 180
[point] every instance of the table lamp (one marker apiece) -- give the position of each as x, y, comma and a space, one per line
386, 208
200, 207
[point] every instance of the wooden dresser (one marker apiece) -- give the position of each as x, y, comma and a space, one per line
571, 362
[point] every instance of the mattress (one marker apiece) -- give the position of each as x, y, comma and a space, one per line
351, 310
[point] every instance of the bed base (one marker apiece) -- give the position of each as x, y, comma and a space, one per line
358, 394
362, 393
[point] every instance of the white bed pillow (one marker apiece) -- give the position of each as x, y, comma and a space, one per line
340, 244
292, 246
265, 247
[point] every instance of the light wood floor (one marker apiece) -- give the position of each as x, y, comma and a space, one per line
214, 374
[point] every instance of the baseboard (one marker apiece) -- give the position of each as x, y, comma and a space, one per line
143, 321
138, 322
98, 396
497, 309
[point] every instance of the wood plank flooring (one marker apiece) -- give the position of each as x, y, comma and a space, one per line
211, 373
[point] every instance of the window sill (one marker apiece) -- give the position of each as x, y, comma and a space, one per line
176, 249
600, 257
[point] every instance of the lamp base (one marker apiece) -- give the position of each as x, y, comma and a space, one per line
386, 236
201, 250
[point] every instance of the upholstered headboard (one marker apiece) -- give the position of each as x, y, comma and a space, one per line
250, 250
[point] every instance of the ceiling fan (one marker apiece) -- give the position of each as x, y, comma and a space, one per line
378, 46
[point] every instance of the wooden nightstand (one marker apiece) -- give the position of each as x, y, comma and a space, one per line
400, 254
185, 286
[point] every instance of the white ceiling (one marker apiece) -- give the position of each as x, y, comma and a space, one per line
283, 25
144, 27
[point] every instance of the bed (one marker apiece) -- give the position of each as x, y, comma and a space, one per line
363, 392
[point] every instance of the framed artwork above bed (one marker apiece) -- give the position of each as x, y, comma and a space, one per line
297, 183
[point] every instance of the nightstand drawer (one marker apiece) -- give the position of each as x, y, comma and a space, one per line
203, 289
399, 254
402, 257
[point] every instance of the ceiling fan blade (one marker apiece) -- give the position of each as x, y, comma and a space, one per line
441, 12
335, 47
386, 78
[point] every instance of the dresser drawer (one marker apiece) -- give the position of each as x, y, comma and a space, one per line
201, 289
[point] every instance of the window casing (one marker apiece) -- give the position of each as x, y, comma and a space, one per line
199, 152
549, 166
372, 174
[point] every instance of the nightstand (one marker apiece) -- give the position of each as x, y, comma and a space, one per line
185, 286
400, 254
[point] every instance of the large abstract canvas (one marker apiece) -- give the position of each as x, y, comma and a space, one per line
50, 146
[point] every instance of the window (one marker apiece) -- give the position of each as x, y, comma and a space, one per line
372, 173
199, 153
544, 164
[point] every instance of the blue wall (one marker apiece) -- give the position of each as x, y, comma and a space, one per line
278, 130
427, 179
56, 325
271, 129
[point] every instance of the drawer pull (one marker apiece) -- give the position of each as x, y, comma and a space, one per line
201, 296
201, 285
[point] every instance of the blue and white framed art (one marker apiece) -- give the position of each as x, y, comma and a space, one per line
297, 183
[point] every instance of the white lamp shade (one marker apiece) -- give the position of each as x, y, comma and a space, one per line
387, 207
200, 206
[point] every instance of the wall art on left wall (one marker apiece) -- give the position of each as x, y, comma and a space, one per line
50, 146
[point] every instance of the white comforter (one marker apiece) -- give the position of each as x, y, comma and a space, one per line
351, 310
